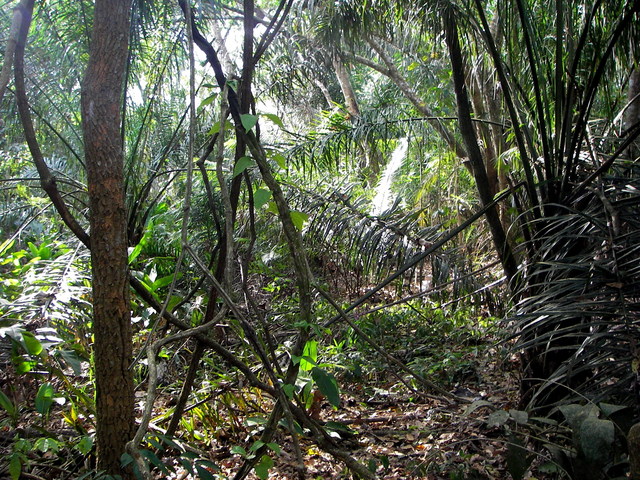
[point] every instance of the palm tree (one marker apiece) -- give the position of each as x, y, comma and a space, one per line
548, 69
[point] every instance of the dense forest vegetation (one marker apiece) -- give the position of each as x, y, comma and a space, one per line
320, 239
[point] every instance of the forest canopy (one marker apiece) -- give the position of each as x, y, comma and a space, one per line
319, 239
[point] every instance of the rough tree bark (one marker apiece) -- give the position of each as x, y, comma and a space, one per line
101, 101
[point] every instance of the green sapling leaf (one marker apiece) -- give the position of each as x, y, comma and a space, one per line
248, 121
241, 165
327, 385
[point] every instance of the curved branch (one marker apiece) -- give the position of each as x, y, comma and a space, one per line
47, 180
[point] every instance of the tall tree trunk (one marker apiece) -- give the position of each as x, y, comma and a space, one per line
101, 100
632, 115
342, 74
500, 241
372, 158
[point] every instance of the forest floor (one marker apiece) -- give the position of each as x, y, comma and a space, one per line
400, 436
396, 434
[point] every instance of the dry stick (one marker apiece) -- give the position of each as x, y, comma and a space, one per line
283, 406
477, 290
294, 239
429, 290
186, 209
322, 439
270, 181
224, 191
217, 139
185, 218
152, 383
224, 353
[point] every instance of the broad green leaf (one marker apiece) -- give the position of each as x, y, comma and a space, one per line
15, 466
413, 66
24, 366
207, 101
327, 385
288, 390
298, 218
241, 165
498, 418
163, 282
256, 445
204, 473
85, 445
609, 409
154, 442
47, 444
262, 468
44, 252
135, 252
208, 464
519, 416
44, 398
275, 119
596, 439
339, 427
549, 467
255, 421
237, 449
310, 352
275, 447
7, 404
173, 301
273, 208
248, 121
125, 460
31, 344
518, 458
284, 423
216, 127
577, 414
475, 405
261, 197
153, 458
145, 281
280, 160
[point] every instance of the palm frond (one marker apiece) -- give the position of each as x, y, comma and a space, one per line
578, 323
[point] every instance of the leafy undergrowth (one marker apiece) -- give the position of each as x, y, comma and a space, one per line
384, 419
397, 434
